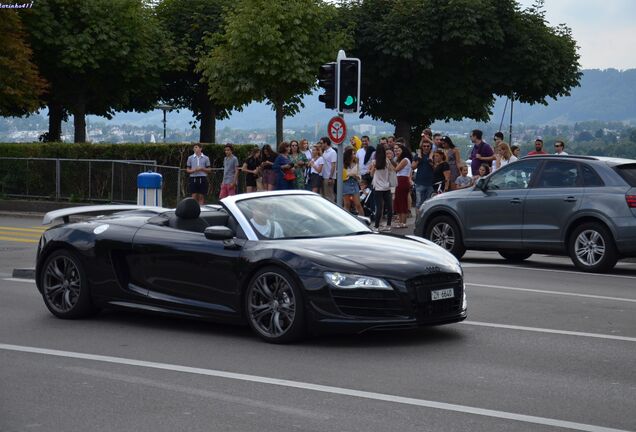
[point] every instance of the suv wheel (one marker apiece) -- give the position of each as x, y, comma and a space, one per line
592, 248
515, 256
444, 232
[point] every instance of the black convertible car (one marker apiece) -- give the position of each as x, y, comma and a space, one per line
285, 262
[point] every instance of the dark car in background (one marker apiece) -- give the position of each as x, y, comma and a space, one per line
284, 262
580, 206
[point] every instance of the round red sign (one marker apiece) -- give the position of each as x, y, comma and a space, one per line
337, 130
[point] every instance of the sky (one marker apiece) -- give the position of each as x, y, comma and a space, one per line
605, 30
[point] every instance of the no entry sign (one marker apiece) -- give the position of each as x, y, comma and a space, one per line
337, 130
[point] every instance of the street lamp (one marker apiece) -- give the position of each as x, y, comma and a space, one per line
165, 108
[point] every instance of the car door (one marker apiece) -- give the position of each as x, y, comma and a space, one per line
183, 269
494, 215
551, 202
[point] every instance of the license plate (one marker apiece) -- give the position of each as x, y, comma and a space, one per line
442, 294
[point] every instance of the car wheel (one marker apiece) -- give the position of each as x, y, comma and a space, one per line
515, 256
592, 248
444, 232
274, 307
64, 286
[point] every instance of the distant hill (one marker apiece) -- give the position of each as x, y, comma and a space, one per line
607, 95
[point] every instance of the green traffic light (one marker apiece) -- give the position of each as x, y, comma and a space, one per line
349, 100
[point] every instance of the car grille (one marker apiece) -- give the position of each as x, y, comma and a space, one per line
420, 288
368, 303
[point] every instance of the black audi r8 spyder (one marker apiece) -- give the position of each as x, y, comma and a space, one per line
285, 262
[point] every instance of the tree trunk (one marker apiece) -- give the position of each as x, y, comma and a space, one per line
207, 131
79, 120
403, 129
278, 105
56, 114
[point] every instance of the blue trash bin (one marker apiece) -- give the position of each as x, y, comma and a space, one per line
149, 189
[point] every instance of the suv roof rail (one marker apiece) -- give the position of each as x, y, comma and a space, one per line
554, 156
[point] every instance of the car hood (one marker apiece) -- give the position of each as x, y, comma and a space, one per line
390, 256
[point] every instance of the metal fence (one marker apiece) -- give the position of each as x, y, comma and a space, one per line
94, 180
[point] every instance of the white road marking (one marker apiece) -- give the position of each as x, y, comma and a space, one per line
552, 331
318, 388
12, 279
563, 293
468, 265
282, 409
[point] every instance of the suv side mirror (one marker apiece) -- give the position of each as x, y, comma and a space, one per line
218, 232
481, 184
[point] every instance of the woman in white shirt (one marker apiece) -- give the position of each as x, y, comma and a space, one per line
403, 171
315, 174
380, 170
503, 156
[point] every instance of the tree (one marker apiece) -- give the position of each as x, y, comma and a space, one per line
99, 56
456, 59
20, 83
189, 22
271, 50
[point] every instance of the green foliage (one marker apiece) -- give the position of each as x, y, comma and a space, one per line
425, 60
189, 22
164, 154
20, 83
271, 50
99, 55
100, 181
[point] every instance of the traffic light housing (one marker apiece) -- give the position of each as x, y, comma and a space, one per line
327, 75
348, 72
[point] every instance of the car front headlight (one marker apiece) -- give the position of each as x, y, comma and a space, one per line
353, 281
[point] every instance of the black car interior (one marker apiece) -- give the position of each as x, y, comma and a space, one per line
189, 217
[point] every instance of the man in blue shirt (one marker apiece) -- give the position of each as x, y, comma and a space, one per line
424, 176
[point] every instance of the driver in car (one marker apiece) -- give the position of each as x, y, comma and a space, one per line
261, 222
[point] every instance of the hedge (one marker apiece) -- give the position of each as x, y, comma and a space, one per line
101, 182
164, 154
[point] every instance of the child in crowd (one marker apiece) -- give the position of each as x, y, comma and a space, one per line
484, 170
464, 180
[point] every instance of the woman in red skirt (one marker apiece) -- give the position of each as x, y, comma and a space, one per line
403, 169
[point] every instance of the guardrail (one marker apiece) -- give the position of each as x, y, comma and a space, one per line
94, 180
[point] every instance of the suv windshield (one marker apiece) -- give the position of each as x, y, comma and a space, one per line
628, 173
298, 216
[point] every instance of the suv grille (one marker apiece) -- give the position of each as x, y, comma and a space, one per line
420, 288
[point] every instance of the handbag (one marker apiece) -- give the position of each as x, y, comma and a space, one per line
289, 175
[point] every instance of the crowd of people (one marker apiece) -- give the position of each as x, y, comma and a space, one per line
377, 181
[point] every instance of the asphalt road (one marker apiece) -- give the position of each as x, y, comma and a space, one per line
544, 348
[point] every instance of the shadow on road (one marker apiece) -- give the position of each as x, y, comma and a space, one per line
186, 327
623, 268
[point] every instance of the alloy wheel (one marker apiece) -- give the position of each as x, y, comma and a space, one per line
271, 305
62, 283
442, 235
589, 247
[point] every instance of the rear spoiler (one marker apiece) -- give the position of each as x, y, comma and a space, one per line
66, 213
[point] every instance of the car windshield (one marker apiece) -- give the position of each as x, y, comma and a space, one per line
298, 216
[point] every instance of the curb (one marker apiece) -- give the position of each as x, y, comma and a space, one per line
24, 273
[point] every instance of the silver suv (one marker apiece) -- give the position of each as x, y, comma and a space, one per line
580, 206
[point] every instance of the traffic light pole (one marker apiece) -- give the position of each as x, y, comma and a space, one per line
339, 169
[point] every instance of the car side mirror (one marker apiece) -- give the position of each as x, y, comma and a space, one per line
218, 232
365, 220
481, 184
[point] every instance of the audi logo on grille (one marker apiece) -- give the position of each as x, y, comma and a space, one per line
432, 269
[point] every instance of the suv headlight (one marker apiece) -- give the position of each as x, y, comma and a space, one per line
353, 281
